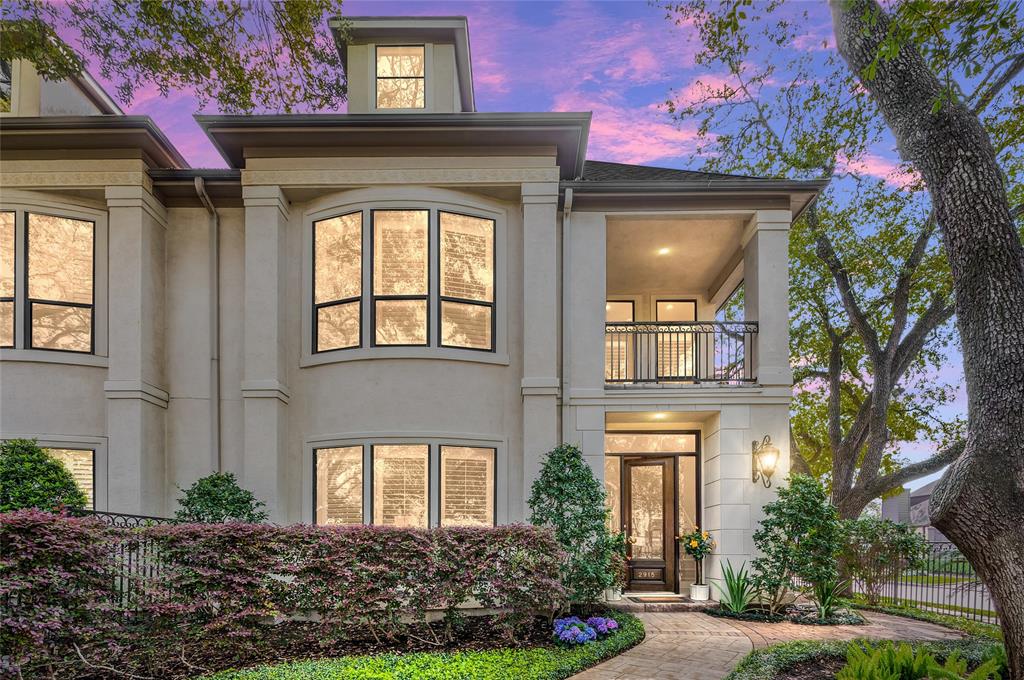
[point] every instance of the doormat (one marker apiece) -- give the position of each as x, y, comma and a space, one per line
657, 599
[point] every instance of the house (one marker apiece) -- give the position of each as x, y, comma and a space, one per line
911, 507
390, 315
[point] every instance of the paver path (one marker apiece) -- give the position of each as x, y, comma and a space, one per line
695, 646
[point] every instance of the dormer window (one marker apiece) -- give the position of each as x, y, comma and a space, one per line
400, 77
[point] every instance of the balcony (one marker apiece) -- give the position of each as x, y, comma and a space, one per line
680, 353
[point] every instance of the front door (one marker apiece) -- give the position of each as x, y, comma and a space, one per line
649, 519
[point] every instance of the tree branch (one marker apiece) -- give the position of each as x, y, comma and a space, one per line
911, 472
901, 294
859, 320
990, 92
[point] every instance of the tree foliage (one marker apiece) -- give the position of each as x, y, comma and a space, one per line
568, 498
218, 498
276, 56
799, 538
30, 478
871, 291
873, 548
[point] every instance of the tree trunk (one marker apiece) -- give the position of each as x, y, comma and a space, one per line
979, 503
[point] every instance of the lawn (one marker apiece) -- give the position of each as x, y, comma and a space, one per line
536, 663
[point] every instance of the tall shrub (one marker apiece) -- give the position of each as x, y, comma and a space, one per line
873, 549
29, 478
799, 539
219, 498
569, 499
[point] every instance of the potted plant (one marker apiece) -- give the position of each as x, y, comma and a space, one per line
698, 545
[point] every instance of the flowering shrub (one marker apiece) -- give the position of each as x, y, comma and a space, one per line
573, 631
698, 545
604, 625
218, 587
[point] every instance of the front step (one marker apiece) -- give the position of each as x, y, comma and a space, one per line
658, 603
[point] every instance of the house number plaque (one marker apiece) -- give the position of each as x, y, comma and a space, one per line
648, 574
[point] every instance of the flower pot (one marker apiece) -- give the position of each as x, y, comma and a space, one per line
612, 594
700, 593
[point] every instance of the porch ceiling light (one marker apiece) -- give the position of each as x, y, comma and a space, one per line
764, 456
664, 251
660, 416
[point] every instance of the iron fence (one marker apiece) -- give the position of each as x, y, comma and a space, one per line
680, 352
943, 582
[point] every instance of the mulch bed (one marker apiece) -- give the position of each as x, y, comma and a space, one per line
791, 615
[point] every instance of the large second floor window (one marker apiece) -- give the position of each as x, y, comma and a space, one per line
401, 77
56, 293
417, 261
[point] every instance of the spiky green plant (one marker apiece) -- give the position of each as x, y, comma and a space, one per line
739, 591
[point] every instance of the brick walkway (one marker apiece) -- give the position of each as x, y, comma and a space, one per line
695, 646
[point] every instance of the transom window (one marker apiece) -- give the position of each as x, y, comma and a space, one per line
57, 294
401, 77
399, 486
396, 252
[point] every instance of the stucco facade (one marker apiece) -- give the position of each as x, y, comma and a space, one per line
203, 353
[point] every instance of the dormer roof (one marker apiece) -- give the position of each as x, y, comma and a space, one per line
454, 30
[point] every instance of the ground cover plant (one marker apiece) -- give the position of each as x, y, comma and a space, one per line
175, 601
549, 662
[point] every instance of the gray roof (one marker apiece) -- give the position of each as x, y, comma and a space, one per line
604, 171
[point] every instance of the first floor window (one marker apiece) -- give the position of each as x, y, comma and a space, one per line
7, 246
339, 485
398, 483
81, 464
401, 485
467, 486
60, 283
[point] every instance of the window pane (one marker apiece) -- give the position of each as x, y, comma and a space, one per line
647, 511
400, 93
6, 324
686, 493
339, 485
337, 326
80, 464
62, 327
6, 254
401, 322
400, 61
60, 259
467, 257
650, 443
467, 486
400, 252
612, 490
465, 325
618, 312
674, 310
338, 257
400, 485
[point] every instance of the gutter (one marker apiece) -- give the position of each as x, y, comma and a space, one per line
215, 418
564, 347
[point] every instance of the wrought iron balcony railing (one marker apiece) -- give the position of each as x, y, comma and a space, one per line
685, 352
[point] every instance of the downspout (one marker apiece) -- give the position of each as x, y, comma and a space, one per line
204, 198
565, 350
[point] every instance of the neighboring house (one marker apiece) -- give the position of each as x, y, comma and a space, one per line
911, 507
391, 315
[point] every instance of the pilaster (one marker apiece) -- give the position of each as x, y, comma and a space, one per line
766, 290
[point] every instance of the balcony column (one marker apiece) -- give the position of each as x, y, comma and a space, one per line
540, 384
264, 392
135, 388
766, 293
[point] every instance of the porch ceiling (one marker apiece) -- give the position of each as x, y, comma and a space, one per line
699, 249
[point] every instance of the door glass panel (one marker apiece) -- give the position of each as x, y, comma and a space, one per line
613, 498
676, 345
686, 498
618, 344
647, 498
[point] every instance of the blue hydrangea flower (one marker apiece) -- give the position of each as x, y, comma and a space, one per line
573, 631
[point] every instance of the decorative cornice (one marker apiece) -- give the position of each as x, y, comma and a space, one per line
265, 389
540, 387
266, 196
338, 178
137, 197
136, 389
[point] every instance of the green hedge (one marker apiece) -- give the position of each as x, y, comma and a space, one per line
976, 628
537, 663
767, 663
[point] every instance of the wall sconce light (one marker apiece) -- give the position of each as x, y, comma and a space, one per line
763, 457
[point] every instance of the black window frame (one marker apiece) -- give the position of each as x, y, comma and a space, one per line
358, 299
374, 297
441, 299
440, 476
362, 486
14, 279
29, 301
378, 78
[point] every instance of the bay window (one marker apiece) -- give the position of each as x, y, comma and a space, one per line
406, 484
379, 286
7, 244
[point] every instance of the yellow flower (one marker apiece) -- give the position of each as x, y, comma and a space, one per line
693, 543
705, 534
